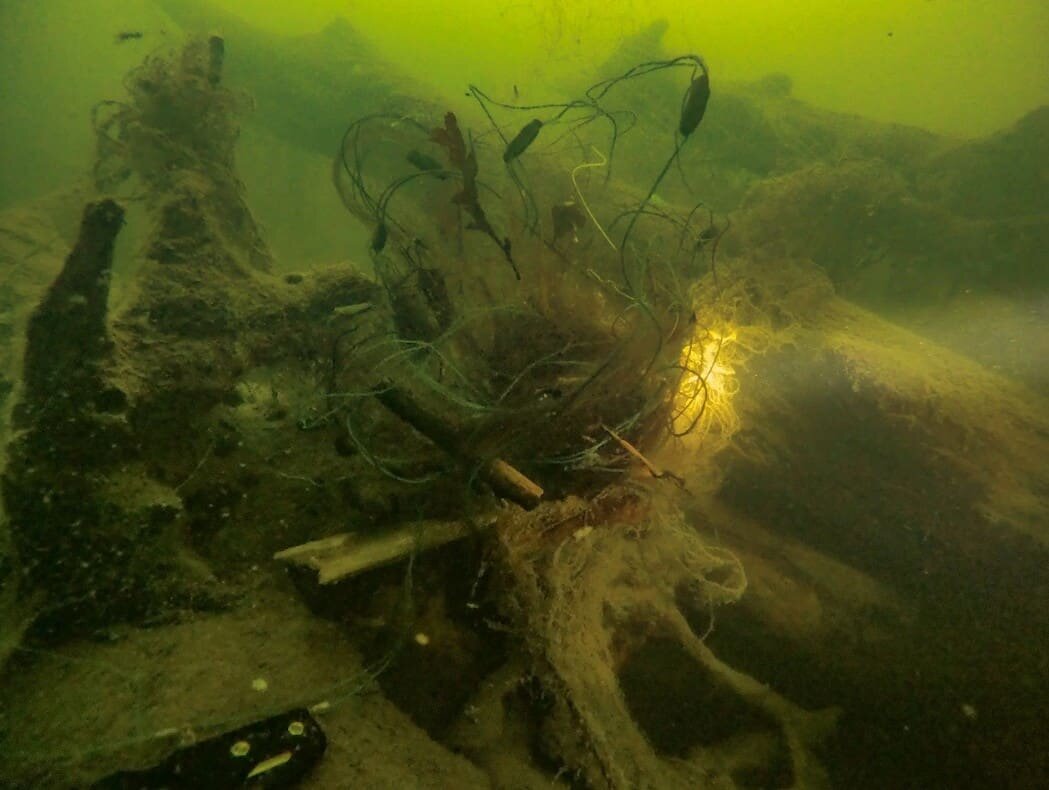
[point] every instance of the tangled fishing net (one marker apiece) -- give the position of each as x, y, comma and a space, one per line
539, 309
591, 582
571, 323
171, 144
513, 306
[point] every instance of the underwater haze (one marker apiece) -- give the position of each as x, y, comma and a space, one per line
624, 395
959, 67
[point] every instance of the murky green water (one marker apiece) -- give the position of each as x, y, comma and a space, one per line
524, 394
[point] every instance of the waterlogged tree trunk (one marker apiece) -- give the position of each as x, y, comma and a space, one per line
67, 438
82, 543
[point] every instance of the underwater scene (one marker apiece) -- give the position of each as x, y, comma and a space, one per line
640, 394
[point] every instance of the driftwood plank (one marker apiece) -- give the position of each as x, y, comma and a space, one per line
341, 556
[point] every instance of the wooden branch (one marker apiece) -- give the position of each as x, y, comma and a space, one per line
348, 554
510, 483
654, 470
507, 481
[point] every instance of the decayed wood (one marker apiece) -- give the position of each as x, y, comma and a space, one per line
505, 480
60, 530
79, 515
341, 556
67, 335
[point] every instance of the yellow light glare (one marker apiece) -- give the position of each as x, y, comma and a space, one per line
708, 382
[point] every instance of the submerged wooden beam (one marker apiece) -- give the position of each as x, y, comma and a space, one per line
506, 480
341, 556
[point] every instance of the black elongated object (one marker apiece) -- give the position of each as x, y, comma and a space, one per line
272, 753
694, 105
524, 138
